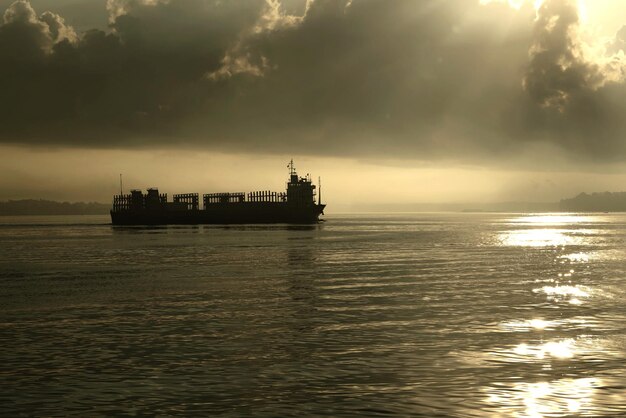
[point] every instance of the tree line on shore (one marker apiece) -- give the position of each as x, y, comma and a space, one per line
49, 207
595, 202
584, 202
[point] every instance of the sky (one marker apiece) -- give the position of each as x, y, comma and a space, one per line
404, 102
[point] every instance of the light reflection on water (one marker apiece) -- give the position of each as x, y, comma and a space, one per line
553, 219
567, 396
538, 399
572, 294
539, 238
416, 314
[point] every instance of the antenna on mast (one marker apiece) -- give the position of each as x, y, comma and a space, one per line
291, 168
121, 189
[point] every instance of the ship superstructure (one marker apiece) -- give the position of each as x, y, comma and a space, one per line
296, 205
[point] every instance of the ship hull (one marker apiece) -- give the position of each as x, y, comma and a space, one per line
233, 213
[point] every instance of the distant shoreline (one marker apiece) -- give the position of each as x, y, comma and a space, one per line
41, 207
606, 202
595, 202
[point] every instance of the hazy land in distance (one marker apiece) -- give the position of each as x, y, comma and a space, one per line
48, 207
584, 202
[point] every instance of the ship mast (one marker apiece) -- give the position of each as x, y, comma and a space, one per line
121, 189
319, 191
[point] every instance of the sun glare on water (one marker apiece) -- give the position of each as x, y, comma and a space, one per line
555, 398
544, 231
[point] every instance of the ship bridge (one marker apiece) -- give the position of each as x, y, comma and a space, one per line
300, 190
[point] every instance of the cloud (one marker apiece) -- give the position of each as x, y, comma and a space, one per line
131, 85
57, 29
560, 64
20, 11
49, 27
427, 80
578, 87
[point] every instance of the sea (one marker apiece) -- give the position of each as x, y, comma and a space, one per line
417, 314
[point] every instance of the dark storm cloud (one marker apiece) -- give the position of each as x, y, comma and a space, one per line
580, 94
365, 77
557, 67
116, 88
416, 79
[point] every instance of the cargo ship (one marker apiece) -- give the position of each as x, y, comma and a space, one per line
297, 205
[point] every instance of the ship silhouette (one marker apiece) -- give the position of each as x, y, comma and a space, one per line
295, 206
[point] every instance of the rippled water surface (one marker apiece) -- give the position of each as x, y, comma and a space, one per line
420, 314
